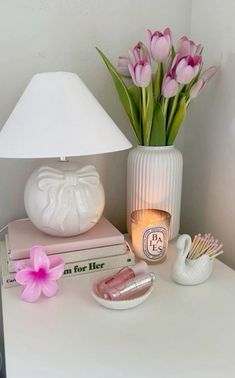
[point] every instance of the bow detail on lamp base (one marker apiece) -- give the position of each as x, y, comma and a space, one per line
64, 200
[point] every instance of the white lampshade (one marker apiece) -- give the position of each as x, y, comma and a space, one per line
58, 116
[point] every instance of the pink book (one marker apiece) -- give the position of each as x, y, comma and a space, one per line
22, 234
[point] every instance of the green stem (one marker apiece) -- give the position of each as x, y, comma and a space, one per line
165, 106
157, 81
187, 103
172, 112
144, 113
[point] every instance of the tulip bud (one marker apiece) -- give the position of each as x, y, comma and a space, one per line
209, 73
188, 47
159, 44
138, 53
196, 88
199, 85
122, 66
169, 86
141, 72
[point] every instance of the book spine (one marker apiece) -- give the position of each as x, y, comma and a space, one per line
24, 254
62, 248
75, 256
83, 267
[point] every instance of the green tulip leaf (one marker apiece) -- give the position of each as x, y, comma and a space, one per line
158, 132
135, 94
177, 121
125, 96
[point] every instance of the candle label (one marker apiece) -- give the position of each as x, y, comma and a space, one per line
155, 242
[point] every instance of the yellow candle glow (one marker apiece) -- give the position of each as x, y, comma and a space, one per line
149, 234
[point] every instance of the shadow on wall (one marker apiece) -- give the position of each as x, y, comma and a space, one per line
208, 203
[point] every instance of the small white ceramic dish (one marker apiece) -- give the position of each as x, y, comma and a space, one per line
124, 304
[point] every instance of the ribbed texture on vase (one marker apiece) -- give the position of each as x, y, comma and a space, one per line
154, 180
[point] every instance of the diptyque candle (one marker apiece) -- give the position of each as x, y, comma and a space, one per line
149, 234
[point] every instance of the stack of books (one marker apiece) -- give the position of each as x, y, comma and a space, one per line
101, 248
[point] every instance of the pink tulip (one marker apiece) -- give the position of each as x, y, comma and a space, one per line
122, 66
196, 88
209, 73
169, 85
41, 275
141, 72
187, 47
186, 67
199, 85
138, 53
159, 44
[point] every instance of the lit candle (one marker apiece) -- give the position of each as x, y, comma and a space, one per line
149, 234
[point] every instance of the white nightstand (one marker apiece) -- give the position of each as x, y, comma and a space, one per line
179, 332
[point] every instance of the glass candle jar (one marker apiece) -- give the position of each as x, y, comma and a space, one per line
149, 234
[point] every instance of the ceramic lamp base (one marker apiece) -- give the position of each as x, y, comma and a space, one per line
63, 200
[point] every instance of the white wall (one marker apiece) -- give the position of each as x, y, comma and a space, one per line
50, 35
209, 149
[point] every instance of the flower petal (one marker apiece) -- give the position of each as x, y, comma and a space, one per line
145, 75
122, 66
138, 69
168, 33
211, 71
185, 75
196, 69
38, 258
148, 37
57, 270
162, 49
181, 65
23, 277
31, 292
132, 57
49, 288
153, 46
196, 88
175, 61
132, 72
183, 47
170, 88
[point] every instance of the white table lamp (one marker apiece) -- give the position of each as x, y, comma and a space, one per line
57, 116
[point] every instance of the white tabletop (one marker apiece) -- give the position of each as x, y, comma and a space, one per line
179, 332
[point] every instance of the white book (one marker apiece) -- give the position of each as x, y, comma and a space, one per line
74, 268
70, 257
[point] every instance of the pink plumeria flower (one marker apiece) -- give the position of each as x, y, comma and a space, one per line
199, 85
185, 68
40, 276
169, 85
122, 66
138, 53
159, 44
141, 72
187, 47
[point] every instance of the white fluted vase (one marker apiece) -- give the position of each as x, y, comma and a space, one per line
154, 181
